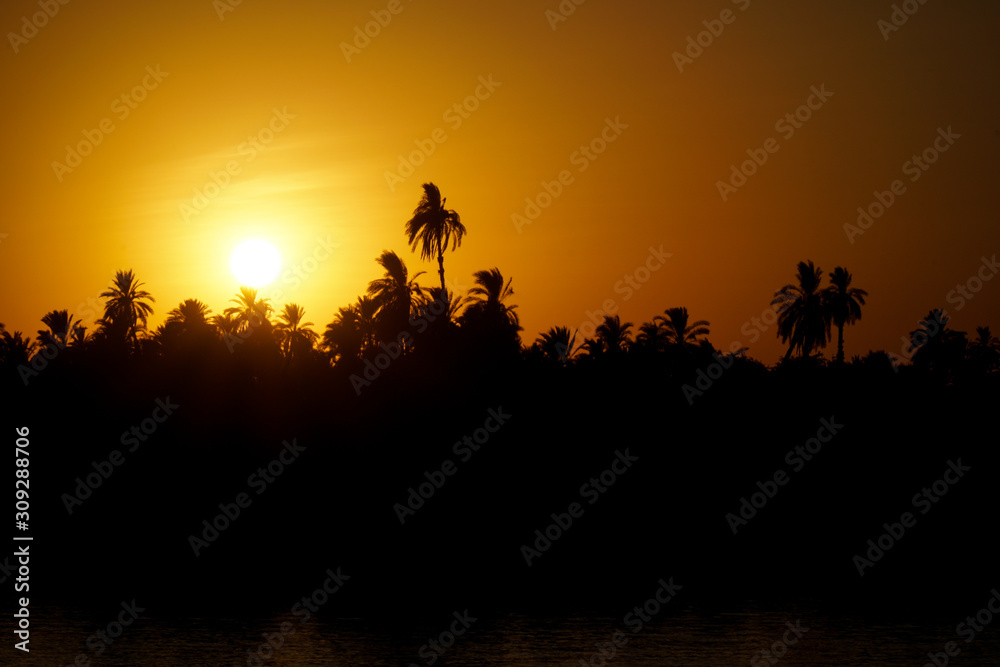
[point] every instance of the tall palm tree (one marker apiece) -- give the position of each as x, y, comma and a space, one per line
191, 313
249, 311
614, 337
557, 344
802, 320
433, 227
60, 329
294, 335
677, 330
396, 294
126, 310
843, 305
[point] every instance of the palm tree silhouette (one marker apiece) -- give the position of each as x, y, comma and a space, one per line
677, 331
191, 313
126, 310
367, 311
15, 348
651, 338
352, 333
802, 320
446, 305
487, 298
249, 312
79, 337
593, 347
294, 335
613, 337
396, 295
226, 323
433, 227
557, 344
343, 338
843, 305
984, 350
60, 329
936, 347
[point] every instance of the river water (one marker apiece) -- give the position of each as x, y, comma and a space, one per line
737, 635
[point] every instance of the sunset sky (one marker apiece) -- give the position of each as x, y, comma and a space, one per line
305, 119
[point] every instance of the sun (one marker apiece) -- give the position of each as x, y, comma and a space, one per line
255, 262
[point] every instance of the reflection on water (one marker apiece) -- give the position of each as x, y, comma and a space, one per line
686, 636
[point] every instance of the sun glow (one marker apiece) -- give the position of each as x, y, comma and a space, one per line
255, 262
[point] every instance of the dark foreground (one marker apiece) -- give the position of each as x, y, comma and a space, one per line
634, 494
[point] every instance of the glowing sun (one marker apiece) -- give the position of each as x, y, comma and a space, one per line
255, 262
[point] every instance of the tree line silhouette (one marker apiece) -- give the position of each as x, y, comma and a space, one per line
397, 311
381, 394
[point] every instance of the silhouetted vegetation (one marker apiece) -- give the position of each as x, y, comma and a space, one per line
382, 393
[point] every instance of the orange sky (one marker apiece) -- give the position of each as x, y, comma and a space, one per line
318, 172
